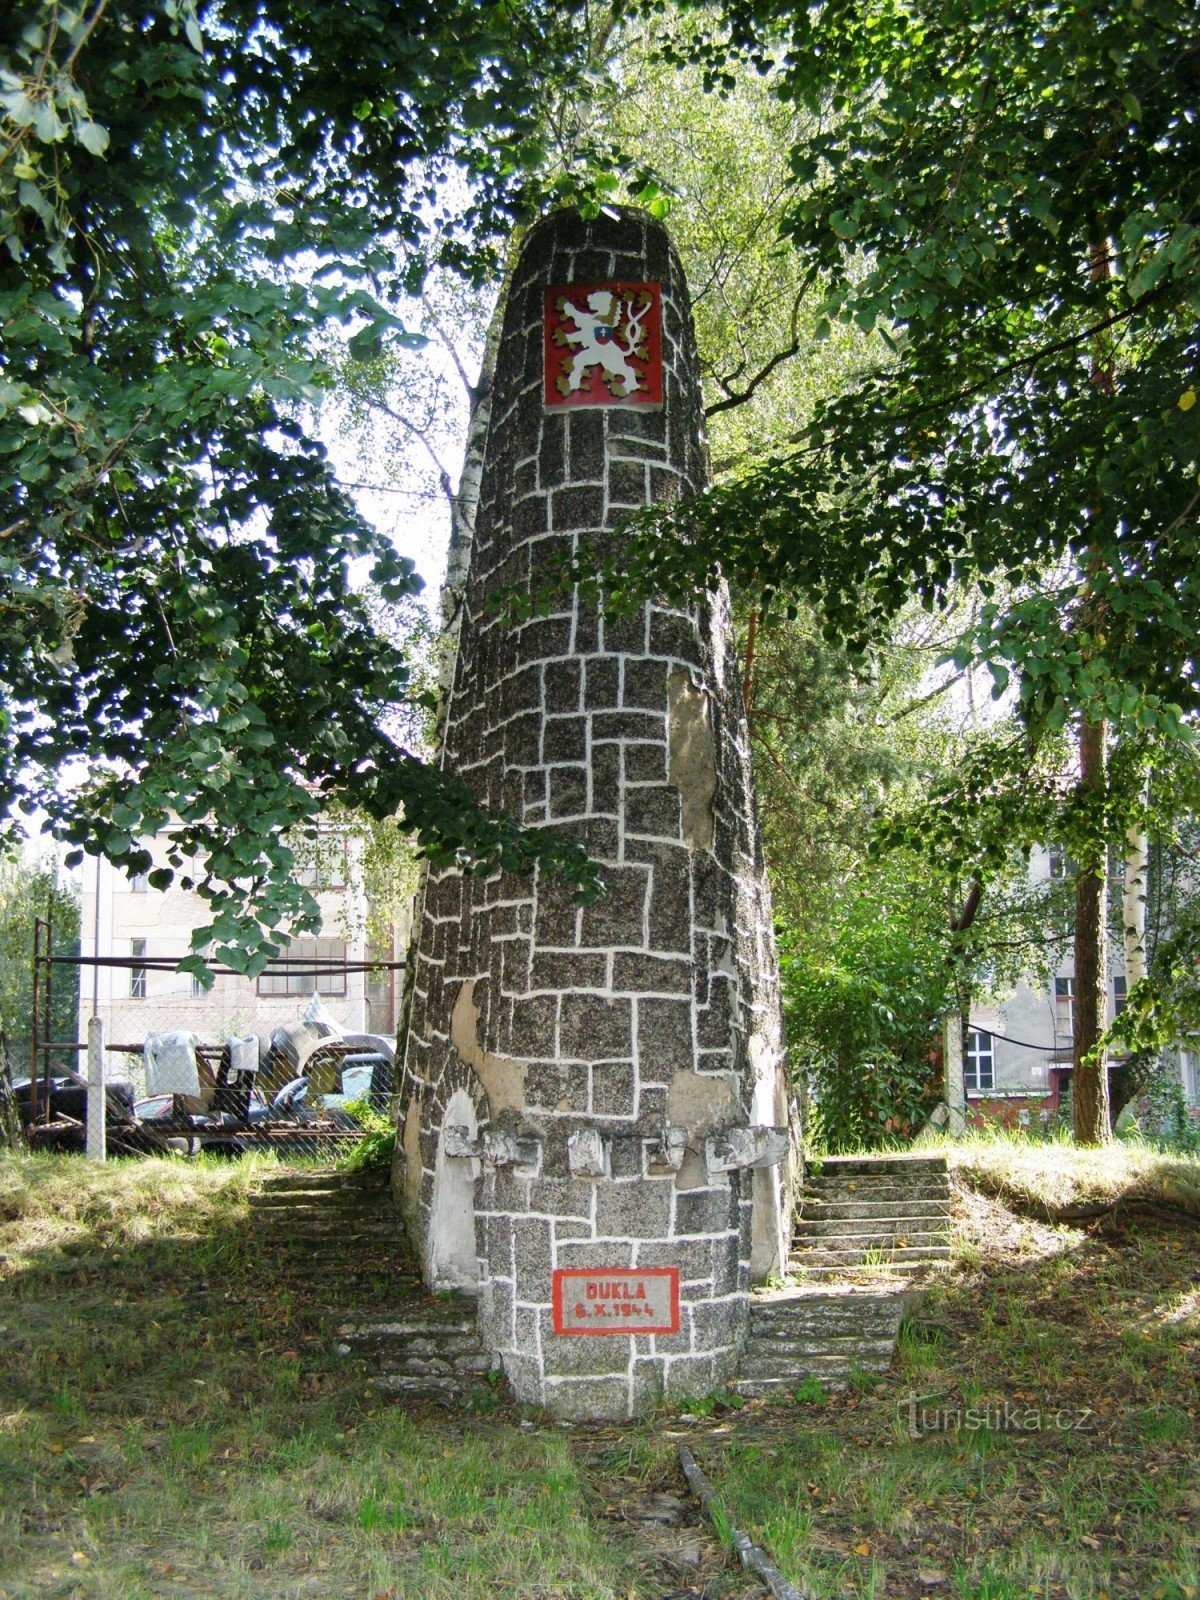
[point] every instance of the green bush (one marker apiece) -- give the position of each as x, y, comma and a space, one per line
863, 1011
373, 1152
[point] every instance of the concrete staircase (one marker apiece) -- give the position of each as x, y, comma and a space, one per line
886, 1213
830, 1334
866, 1227
431, 1349
334, 1238
339, 1242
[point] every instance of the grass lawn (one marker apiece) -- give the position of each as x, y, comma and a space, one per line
1087, 1486
163, 1430
1053, 1175
170, 1426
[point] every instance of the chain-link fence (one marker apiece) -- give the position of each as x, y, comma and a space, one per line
267, 1064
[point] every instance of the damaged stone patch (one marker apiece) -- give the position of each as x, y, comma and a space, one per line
692, 757
502, 1077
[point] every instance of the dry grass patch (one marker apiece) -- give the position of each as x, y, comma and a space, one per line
1055, 1177
1037, 1440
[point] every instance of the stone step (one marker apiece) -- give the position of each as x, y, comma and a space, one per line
827, 1324
783, 1306
880, 1276
815, 1210
784, 1388
888, 1255
395, 1355
891, 1163
324, 1216
873, 1195
410, 1327
466, 1363
305, 1201
317, 1180
794, 1370
415, 1386
430, 1347
867, 1230
331, 1229
841, 1347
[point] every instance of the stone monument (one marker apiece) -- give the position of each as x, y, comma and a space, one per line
593, 1111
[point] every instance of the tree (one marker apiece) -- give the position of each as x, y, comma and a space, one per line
1006, 197
30, 889
187, 197
881, 934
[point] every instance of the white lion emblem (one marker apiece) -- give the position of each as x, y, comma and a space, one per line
608, 334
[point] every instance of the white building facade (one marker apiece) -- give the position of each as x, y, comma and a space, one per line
123, 919
1018, 1054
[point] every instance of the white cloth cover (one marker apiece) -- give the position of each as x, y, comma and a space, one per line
243, 1054
295, 1043
317, 1016
171, 1064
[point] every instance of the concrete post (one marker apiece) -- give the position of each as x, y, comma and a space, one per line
954, 1082
97, 1149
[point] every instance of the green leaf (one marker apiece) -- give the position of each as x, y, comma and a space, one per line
92, 137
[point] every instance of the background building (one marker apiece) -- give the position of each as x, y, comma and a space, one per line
1018, 1054
123, 917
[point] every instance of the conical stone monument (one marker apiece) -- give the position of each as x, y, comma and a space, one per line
594, 1109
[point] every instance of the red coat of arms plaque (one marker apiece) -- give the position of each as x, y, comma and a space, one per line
603, 345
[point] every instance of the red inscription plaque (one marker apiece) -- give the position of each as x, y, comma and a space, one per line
616, 1300
603, 345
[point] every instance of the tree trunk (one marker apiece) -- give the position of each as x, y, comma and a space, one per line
1090, 1087
1090, 1090
1137, 870
463, 508
1131, 1076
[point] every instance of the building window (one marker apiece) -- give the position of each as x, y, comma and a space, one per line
1191, 1077
140, 883
279, 980
1064, 995
137, 975
326, 867
979, 1068
1058, 861
1120, 994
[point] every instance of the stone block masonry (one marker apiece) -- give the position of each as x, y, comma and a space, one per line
565, 1065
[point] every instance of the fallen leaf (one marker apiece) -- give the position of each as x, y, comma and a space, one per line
863, 1549
931, 1578
78, 1558
55, 1449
